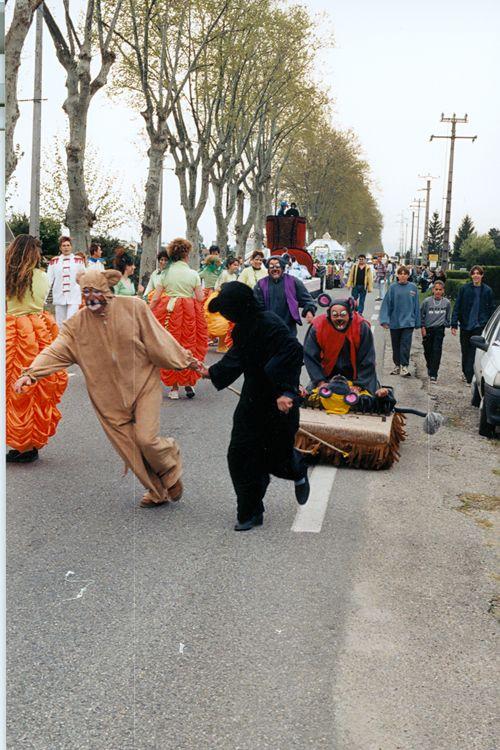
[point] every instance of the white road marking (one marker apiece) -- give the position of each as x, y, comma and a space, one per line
309, 517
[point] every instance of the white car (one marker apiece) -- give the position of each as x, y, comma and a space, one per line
486, 380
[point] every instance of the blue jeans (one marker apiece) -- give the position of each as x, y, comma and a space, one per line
359, 292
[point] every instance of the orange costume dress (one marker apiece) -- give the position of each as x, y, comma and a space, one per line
31, 417
182, 315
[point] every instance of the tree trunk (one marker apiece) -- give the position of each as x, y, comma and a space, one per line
259, 220
151, 218
14, 42
238, 228
79, 218
220, 219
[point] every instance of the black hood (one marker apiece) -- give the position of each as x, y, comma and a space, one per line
235, 302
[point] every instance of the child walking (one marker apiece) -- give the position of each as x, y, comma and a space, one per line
435, 314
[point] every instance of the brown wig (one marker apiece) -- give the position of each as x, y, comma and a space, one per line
22, 257
122, 259
179, 249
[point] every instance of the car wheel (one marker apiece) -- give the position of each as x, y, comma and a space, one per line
476, 396
485, 428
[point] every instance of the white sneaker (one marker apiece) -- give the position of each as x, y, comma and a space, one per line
174, 395
404, 372
395, 371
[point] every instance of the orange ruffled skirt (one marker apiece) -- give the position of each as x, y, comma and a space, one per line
186, 323
31, 417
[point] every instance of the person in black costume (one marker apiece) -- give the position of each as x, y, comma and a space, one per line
293, 210
267, 416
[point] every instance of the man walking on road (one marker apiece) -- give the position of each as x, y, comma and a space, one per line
61, 274
120, 347
267, 416
473, 308
284, 295
360, 281
400, 312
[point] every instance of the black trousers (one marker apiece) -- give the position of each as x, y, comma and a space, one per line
468, 352
401, 345
252, 458
433, 349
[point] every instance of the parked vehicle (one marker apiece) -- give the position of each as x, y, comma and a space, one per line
486, 380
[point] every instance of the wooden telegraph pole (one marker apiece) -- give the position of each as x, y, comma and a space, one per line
427, 188
446, 237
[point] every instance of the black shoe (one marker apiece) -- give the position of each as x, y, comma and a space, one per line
190, 392
24, 457
247, 525
302, 489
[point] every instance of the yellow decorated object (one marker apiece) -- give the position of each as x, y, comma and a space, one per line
217, 325
334, 404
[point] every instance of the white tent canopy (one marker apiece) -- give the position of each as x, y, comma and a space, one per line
328, 248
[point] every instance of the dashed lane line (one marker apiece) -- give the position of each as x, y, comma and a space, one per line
309, 517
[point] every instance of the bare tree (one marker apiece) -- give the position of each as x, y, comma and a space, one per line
14, 43
76, 51
159, 51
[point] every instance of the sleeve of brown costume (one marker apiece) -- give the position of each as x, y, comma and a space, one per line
55, 357
163, 350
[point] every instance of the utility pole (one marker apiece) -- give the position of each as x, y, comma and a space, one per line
416, 204
425, 243
412, 229
37, 129
446, 237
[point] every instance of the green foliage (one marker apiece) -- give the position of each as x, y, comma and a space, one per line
495, 236
436, 233
457, 274
109, 245
50, 231
480, 248
492, 278
465, 230
453, 286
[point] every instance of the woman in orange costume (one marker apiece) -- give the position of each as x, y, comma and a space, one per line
31, 417
178, 304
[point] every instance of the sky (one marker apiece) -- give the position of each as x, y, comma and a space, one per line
392, 67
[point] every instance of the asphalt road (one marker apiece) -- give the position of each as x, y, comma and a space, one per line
164, 629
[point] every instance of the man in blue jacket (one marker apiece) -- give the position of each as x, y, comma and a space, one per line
473, 308
400, 312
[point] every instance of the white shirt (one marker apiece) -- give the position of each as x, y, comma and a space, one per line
62, 272
95, 264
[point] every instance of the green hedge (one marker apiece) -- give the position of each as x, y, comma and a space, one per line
452, 287
457, 274
492, 278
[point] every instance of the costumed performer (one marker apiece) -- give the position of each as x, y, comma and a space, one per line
178, 304
284, 294
119, 338
218, 326
31, 418
212, 267
340, 342
154, 279
124, 263
267, 416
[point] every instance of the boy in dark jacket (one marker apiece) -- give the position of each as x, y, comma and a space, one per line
474, 307
435, 314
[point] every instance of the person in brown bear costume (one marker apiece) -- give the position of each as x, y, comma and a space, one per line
120, 348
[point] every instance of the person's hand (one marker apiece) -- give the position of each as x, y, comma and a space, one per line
356, 389
382, 392
454, 331
21, 383
309, 317
424, 332
385, 325
203, 371
284, 404
140, 289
